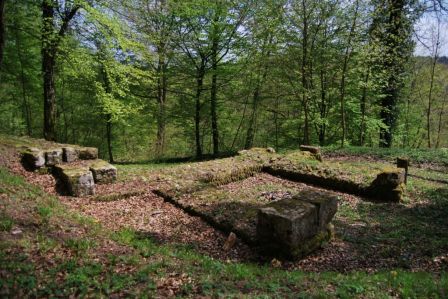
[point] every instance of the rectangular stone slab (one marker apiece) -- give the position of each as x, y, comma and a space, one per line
103, 172
70, 154
87, 153
297, 226
77, 180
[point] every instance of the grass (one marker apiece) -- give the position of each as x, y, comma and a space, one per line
60, 253
418, 155
57, 268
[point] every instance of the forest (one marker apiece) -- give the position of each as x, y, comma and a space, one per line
223, 149
150, 79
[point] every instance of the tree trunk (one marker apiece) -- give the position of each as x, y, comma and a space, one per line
48, 68
431, 87
393, 65
362, 130
439, 130
2, 30
344, 72
213, 97
197, 118
305, 83
109, 137
322, 109
250, 135
161, 101
26, 107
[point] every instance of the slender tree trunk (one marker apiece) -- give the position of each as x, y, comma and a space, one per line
363, 104
305, 83
213, 97
26, 107
197, 118
250, 135
48, 69
439, 130
109, 137
251, 129
322, 109
162, 86
431, 87
2, 30
344, 73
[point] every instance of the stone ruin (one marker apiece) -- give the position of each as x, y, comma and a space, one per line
77, 169
295, 227
290, 227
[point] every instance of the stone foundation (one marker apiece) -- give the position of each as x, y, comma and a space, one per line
295, 227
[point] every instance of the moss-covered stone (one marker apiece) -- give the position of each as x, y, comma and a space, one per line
33, 158
388, 185
103, 172
76, 180
70, 154
53, 156
87, 153
295, 227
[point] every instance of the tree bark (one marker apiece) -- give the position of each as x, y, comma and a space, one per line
344, 72
50, 44
441, 113
48, 68
394, 67
305, 83
213, 96
197, 118
2, 30
431, 87
162, 86
363, 105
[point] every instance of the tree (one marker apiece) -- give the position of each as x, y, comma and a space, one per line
391, 32
51, 38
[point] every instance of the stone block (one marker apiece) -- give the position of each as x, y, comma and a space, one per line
53, 156
77, 181
315, 150
297, 226
87, 153
103, 172
33, 158
69, 154
388, 185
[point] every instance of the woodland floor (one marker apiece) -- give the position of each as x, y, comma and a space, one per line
136, 244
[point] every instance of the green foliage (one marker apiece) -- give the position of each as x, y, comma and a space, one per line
278, 75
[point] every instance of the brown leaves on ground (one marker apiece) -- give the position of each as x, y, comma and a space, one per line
165, 223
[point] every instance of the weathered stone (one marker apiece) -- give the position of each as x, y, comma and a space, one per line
33, 158
78, 181
53, 157
103, 172
315, 150
309, 148
87, 153
295, 227
389, 185
69, 154
270, 150
326, 203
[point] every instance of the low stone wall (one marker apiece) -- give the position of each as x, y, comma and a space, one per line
377, 182
76, 168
